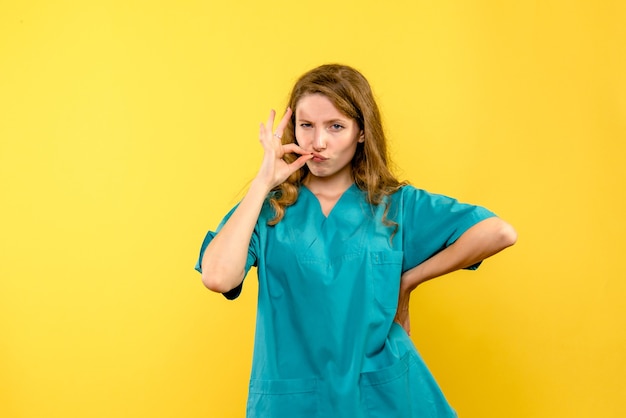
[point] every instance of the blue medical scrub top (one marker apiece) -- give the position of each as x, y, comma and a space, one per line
326, 342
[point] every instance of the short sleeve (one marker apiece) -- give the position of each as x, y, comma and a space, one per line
431, 222
250, 261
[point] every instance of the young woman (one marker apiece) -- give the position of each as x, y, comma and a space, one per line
339, 245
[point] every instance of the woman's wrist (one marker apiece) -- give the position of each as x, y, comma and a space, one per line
411, 279
261, 185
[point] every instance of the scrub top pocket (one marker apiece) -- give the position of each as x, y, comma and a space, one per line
290, 398
385, 270
404, 390
387, 392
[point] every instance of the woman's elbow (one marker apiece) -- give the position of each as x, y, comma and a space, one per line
217, 282
507, 235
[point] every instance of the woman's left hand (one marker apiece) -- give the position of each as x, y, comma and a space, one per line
402, 314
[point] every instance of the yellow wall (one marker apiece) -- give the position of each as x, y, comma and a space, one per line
128, 128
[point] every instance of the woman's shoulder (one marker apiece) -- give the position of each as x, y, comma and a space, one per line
409, 196
409, 191
405, 191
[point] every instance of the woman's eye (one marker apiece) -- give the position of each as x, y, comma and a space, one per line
305, 125
336, 127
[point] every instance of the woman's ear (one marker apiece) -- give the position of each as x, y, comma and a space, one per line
361, 137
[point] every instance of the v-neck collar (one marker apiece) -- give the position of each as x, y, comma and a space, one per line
319, 204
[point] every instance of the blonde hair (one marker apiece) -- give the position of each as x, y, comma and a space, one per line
351, 94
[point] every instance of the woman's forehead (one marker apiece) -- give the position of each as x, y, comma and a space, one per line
319, 107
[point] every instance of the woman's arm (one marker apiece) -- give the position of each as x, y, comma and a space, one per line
224, 260
479, 242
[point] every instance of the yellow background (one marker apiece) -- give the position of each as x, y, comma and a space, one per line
129, 128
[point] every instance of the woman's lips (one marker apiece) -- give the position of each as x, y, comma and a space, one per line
318, 158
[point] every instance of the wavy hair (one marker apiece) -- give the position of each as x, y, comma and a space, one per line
350, 93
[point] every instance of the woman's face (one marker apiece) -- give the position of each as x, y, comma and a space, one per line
330, 135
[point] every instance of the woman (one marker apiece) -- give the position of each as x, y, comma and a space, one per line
339, 244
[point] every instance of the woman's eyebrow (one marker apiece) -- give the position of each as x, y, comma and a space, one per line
332, 120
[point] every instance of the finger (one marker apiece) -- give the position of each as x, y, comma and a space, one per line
406, 324
265, 132
264, 139
402, 322
299, 163
283, 122
270, 122
294, 149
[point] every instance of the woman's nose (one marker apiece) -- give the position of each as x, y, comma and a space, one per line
319, 140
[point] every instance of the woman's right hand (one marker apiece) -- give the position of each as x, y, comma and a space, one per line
225, 258
274, 169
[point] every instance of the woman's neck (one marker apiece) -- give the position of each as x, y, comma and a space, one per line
329, 186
